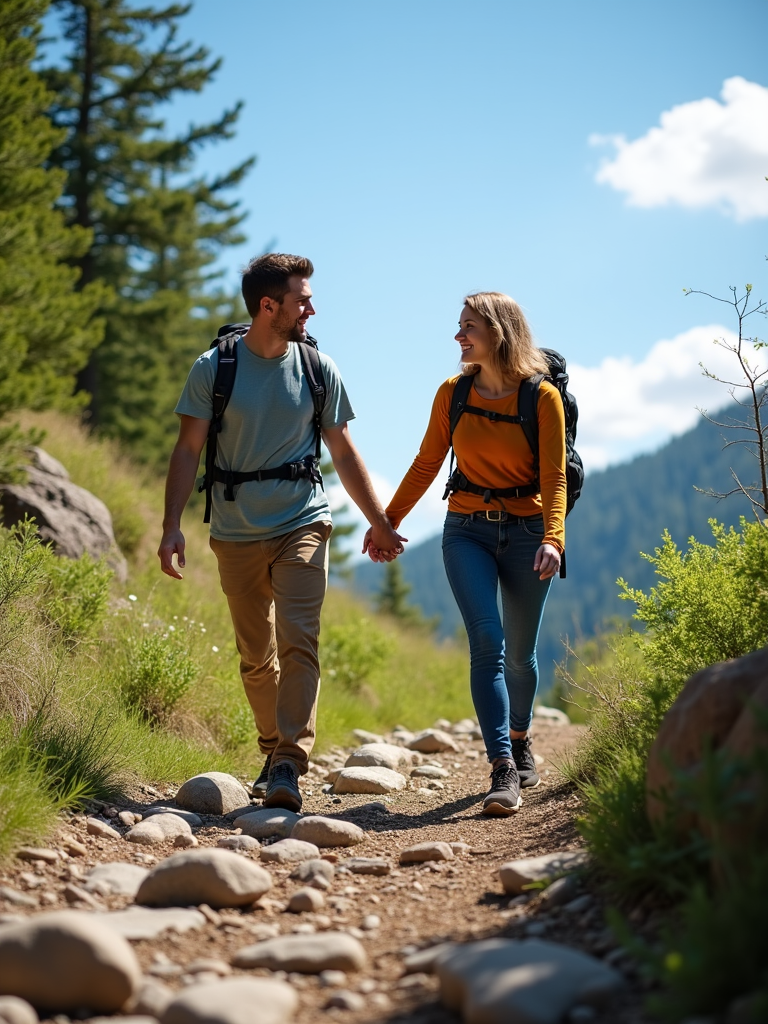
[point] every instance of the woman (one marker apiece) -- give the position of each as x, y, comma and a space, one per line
514, 542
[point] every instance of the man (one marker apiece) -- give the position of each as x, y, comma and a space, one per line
271, 541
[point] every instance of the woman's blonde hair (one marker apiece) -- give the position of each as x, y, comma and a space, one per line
512, 348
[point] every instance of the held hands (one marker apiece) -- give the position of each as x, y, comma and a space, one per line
547, 561
383, 544
173, 543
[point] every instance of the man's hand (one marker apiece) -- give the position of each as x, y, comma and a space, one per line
547, 561
173, 543
383, 544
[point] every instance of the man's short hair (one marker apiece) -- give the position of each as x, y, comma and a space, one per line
267, 276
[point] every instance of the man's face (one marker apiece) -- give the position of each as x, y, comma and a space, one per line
291, 318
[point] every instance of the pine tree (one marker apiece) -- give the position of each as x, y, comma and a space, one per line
157, 228
46, 330
392, 599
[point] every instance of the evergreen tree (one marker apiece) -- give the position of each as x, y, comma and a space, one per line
46, 330
156, 227
392, 599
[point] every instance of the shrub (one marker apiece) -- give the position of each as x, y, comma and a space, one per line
159, 671
77, 595
349, 653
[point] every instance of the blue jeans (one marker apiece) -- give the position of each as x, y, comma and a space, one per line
479, 556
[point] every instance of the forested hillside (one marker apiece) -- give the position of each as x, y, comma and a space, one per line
623, 511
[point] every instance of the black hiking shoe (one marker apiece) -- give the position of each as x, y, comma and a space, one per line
283, 787
503, 797
259, 788
525, 764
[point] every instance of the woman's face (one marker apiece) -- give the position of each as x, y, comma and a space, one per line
474, 337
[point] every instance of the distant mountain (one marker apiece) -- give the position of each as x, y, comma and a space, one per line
623, 511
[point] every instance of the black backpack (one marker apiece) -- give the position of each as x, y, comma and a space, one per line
528, 419
306, 469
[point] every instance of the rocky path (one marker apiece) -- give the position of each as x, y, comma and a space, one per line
340, 932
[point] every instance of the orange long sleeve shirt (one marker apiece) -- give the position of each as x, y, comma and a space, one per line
494, 455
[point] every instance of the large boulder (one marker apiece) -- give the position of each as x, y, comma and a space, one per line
72, 519
719, 709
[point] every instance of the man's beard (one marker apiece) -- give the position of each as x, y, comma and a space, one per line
286, 328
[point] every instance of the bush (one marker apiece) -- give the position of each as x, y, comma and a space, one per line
159, 671
77, 595
351, 652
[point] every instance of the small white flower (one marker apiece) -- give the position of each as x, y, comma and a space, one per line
203, 630
132, 597
184, 618
215, 649
175, 618
172, 629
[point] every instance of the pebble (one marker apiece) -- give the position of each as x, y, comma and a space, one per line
343, 999
307, 954
267, 822
75, 848
579, 904
502, 980
554, 716
413, 981
423, 961
151, 998
370, 922
327, 832
193, 820
516, 874
288, 851
157, 829
143, 923
74, 894
115, 879
315, 872
460, 847
128, 818
426, 851
212, 793
561, 891
186, 842
242, 843
209, 965
332, 979
18, 899
233, 1001
96, 827
37, 853
66, 960
464, 728
432, 741
217, 877
367, 737
16, 1011
368, 865
306, 900
369, 780
430, 771
382, 755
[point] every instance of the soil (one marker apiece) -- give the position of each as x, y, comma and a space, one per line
458, 900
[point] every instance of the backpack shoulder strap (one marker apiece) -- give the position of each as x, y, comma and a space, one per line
313, 371
459, 400
528, 409
223, 383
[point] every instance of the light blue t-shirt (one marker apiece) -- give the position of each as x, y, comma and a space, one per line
269, 421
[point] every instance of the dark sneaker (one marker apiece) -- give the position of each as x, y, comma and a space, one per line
283, 787
504, 795
259, 788
525, 764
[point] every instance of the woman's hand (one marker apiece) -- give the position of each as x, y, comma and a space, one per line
547, 561
383, 545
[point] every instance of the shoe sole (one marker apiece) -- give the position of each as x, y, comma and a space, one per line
527, 784
284, 799
497, 810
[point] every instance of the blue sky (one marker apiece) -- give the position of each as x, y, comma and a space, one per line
420, 150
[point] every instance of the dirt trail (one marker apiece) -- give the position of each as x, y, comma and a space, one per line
418, 905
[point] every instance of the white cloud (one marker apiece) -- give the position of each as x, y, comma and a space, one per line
627, 407
704, 154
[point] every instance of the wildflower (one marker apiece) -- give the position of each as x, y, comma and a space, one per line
132, 597
172, 629
215, 649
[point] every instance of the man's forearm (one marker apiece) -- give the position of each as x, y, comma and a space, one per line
182, 471
356, 482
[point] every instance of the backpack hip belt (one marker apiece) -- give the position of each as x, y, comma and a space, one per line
307, 468
458, 482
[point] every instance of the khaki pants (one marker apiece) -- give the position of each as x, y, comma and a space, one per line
275, 590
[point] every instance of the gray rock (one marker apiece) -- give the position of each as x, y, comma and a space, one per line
243, 843
16, 1011
96, 827
288, 851
212, 793
139, 923
233, 1001
516, 874
209, 965
192, 819
115, 879
424, 960
217, 877
370, 923
432, 741
306, 900
316, 872
65, 960
157, 829
464, 728
553, 716
367, 737
382, 755
16, 898
580, 904
327, 832
152, 998
332, 979
267, 822
421, 852
500, 981
74, 848
460, 847
238, 812
37, 853
185, 842
369, 780
343, 999
429, 771
368, 865
306, 954
70, 518
561, 891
